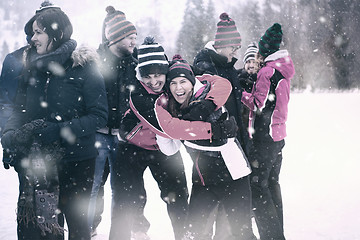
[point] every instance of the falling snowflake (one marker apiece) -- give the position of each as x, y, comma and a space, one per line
271, 97
43, 104
97, 144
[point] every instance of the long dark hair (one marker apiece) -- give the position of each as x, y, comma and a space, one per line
56, 24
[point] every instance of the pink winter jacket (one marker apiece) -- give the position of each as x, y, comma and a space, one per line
269, 98
153, 119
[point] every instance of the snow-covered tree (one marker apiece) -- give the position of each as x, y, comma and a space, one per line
197, 29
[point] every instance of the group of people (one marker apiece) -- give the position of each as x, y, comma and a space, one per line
75, 115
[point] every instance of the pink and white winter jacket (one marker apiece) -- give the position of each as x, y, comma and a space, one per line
269, 98
148, 116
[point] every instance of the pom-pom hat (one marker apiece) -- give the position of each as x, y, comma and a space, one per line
46, 5
250, 52
180, 68
116, 27
270, 41
152, 58
227, 34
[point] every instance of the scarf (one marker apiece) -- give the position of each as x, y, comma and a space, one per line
39, 200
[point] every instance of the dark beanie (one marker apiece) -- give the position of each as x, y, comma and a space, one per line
270, 41
46, 5
227, 34
152, 59
250, 52
116, 27
179, 67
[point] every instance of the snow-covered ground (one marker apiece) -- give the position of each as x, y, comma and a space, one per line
320, 175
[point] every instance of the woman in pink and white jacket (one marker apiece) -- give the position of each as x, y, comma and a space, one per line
220, 170
268, 104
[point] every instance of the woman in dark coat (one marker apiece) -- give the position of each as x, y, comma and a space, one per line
60, 103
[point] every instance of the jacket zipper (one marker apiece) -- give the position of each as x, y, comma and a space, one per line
134, 133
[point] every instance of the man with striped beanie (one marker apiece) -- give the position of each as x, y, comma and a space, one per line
117, 65
227, 34
152, 59
219, 57
116, 27
139, 128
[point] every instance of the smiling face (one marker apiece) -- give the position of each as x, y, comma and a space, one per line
181, 89
124, 47
41, 40
155, 81
251, 66
228, 52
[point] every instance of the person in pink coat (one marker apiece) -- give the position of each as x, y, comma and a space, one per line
268, 104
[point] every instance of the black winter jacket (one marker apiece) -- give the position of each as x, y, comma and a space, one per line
120, 77
210, 61
66, 87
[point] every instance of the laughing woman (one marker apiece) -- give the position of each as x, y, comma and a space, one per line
220, 171
60, 103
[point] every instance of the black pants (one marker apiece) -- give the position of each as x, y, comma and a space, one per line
234, 198
75, 180
266, 159
130, 197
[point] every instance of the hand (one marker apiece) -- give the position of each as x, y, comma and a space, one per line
200, 111
224, 129
9, 158
50, 133
8, 139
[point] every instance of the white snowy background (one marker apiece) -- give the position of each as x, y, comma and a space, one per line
320, 176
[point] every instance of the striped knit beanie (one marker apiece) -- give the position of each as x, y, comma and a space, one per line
270, 41
180, 68
227, 34
250, 52
152, 58
116, 27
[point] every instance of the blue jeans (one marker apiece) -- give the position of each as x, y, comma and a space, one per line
107, 154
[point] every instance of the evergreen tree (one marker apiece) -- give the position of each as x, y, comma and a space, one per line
338, 43
196, 29
4, 51
253, 22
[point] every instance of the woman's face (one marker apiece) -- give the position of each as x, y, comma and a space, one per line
155, 82
40, 40
181, 89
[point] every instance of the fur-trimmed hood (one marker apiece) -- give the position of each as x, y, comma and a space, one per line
83, 55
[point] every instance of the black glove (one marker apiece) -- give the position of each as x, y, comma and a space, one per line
50, 133
20, 137
224, 129
8, 139
8, 158
199, 111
